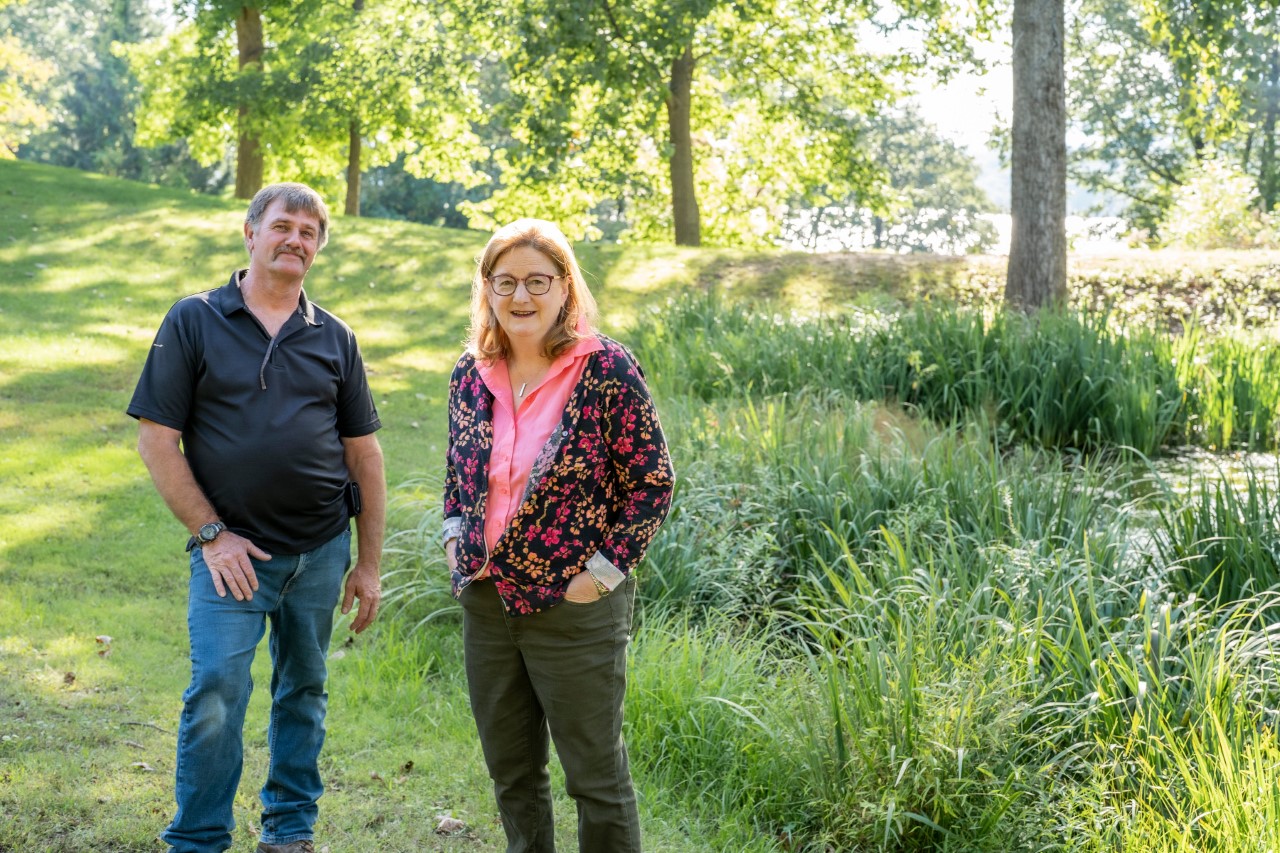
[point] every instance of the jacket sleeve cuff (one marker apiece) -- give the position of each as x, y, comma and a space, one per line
604, 571
452, 529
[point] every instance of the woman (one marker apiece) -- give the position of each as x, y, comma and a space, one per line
558, 478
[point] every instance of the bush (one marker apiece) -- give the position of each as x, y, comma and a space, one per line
1218, 208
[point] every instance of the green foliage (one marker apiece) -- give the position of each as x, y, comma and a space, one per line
392, 192
1001, 663
91, 94
1221, 541
1059, 381
191, 89
931, 200
394, 70
988, 668
1234, 382
1216, 207
555, 112
780, 97
1160, 87
415, 574
21, 76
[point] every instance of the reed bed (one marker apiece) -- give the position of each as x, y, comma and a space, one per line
1066, 381
922, 589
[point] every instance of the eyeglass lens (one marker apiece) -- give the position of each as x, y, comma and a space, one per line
505, 285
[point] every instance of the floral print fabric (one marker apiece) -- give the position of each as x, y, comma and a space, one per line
602, 483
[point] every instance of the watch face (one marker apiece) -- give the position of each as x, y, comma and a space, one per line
209, 532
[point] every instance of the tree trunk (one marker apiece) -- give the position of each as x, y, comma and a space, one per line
815, 229
684, 198
353, 151
353, 169
1037, 275
248, 148
1268, 174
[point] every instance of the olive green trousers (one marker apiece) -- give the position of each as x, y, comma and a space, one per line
556, 676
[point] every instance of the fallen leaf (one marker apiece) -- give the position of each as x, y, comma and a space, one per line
143, 766
104, 639
375, 776
69, 678
338, 655
408, 765
449, 825
133, 743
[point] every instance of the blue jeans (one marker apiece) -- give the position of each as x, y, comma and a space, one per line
298, 593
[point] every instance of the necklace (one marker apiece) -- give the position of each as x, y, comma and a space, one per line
529, 379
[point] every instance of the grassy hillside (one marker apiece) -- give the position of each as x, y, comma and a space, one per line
92, 576
88, 266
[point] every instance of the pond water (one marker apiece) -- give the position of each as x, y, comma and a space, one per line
1184, 471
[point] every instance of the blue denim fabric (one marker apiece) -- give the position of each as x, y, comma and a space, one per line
298, 593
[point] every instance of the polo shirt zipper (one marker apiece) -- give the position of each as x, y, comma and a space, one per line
262, 368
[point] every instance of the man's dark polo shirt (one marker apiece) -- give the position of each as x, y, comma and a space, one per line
262, 421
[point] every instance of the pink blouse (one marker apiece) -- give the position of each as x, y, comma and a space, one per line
518, 436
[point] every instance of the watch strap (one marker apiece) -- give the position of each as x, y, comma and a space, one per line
197, 540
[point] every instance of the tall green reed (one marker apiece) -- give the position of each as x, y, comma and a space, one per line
1233, 380
866, 630
415, 572
1222, 539
1065, 381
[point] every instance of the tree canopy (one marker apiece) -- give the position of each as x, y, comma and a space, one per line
382, 73
704, 118
1160, 86
699, 119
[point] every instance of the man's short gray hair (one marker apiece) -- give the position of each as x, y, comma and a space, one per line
296, 197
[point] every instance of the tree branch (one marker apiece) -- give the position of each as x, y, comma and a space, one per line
617, 34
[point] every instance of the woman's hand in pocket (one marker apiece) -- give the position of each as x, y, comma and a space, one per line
582, 589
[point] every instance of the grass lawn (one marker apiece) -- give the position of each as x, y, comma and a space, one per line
983, 626
93, 647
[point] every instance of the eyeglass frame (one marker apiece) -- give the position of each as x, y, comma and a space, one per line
525, 281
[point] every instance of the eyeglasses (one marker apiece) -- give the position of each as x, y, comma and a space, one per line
536, 285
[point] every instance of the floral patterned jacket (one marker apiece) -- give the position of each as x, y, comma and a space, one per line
598, 491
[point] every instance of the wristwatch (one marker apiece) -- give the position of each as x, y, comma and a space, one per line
206, 534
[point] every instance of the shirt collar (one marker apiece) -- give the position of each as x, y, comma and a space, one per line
495, 373
231, 300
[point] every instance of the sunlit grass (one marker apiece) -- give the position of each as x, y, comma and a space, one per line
88, 266
882, 615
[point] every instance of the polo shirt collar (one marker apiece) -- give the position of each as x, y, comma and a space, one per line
231, 300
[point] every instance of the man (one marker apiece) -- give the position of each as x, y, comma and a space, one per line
257, 426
